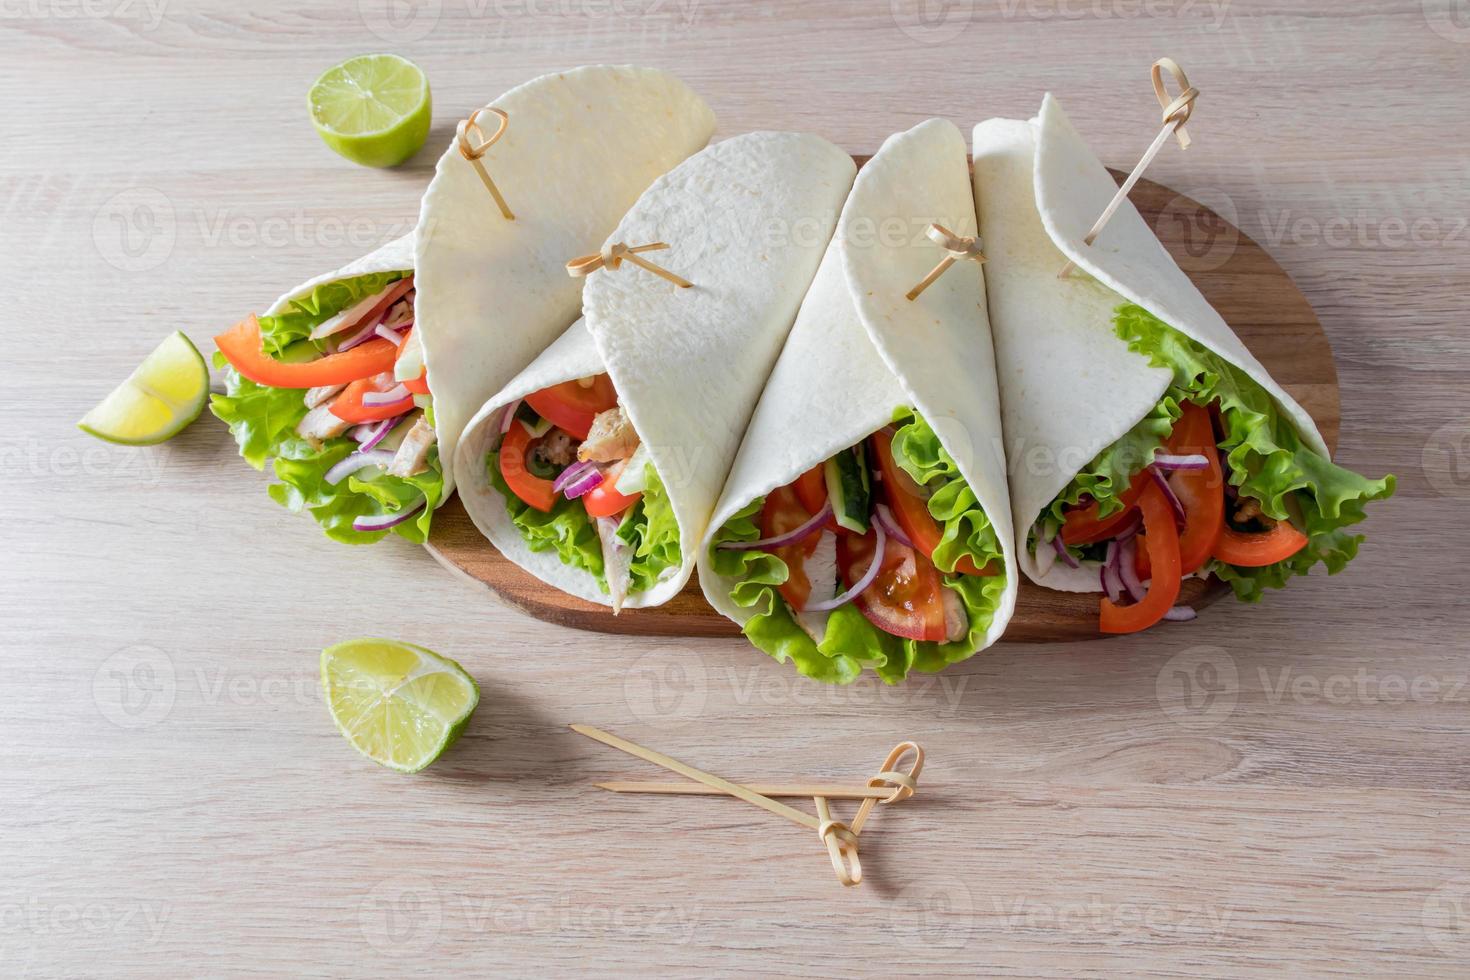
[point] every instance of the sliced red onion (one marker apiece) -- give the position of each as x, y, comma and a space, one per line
508, 416
389, 334
1169, 495
796, 534
1170, 461
1180, 614
381, 431
383, 522
1062, 552
362, 336
1131, 526
380, 399
570, 474
357, 461
363, 432
884, 516
862, 584
584, 484
1112, 582
1128, 571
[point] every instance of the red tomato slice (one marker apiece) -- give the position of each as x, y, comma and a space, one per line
783, 512
241, 347
811, 489
911, 508
904, 600
349, 406
1082, 525
572, 406
1253, 550
526, 485
1163, 555
604, 500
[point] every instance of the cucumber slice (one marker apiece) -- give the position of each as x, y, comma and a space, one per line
849, 490
634, 478
534, 424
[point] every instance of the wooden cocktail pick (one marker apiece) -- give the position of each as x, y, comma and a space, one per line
840, 839
1176, 113
956, 246
614, 254
474, 150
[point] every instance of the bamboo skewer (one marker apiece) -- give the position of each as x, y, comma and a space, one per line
956, 247
1176, 113
831, 792
474, 151
615, 254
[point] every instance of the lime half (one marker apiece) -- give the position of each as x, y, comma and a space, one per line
398, 704
373, 109
160, 398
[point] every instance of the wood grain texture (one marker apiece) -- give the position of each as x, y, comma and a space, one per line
1240, 280
1279, 790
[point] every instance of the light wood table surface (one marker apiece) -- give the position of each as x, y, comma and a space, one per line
1272, 790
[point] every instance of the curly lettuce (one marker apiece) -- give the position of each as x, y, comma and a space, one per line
1266, 458
850, 642
648, 527
263, 422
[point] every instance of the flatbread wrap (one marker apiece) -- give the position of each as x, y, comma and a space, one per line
1147, 443
331, 383
597, 468
865, 523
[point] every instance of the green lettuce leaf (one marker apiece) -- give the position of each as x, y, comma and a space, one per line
1267, 459
850, 642
321, 304
648, 526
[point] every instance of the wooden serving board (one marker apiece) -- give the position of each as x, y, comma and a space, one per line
1235, 274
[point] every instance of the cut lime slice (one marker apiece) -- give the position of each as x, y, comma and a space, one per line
160, 398
398, 704
374, 109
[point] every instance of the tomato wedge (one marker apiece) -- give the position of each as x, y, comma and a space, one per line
904, 600
572, 405
1163, 555
1083, 526
783, 512
533, 491
241, 346
1252, 550
604, 500
811, 489
349, 406
911, 508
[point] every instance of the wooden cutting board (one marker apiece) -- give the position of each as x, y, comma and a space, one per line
1236, 275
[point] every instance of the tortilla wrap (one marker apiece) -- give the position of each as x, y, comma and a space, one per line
860, 350
580, 147
395, 256
1069, 386
747, 221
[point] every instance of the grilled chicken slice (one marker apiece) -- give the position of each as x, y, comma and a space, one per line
322, 394
617, 560
956, 622
611, 437
556, 448
320, 424
412, 457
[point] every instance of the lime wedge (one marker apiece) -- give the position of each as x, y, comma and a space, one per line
160, 398
398, 704
373, 109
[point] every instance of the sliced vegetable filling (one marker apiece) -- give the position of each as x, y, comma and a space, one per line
1244, 498
881, 557
577, 480
314, 390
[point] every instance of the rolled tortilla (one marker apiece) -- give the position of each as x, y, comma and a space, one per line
580, 147
747, 221
1069, 386
395, 256
860, 351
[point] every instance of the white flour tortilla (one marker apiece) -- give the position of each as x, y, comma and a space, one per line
832, 387
1069, 387
492, 294
748, 220
396, 256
